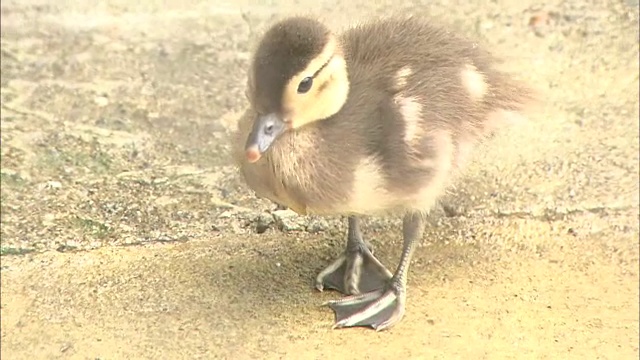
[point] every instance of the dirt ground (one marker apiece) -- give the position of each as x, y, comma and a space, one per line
127, 234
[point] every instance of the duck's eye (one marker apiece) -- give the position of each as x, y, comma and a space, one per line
305, 85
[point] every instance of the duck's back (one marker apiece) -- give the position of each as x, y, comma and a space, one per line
417, 70
420, 98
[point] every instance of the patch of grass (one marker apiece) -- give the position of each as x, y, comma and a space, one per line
101, 162
7, 250
11, 179
63, 152
91, 227
3, 210
98, 162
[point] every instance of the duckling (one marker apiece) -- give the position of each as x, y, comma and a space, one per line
377, 120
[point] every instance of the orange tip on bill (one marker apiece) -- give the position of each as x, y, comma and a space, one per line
253, 154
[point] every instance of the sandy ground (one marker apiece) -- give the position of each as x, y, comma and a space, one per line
126, 234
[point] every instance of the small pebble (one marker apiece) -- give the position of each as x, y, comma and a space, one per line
101, 101
263, 222
317, 225
48, 219
51, 185
539, 23
288, 220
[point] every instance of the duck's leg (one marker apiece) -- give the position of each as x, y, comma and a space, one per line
356, 270
383, 308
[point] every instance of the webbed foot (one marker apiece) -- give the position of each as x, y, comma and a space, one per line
379, 309
355, 271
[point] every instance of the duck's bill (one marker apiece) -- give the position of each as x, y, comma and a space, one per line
265, 131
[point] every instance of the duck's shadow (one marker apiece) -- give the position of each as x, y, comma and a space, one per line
272, 279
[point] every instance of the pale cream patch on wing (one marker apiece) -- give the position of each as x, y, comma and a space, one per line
442, 164
411, 112
474, 82
401, 77
368, 194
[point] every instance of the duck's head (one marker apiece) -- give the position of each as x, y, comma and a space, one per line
298, 75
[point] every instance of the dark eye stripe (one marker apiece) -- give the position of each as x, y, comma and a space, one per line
322, 67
